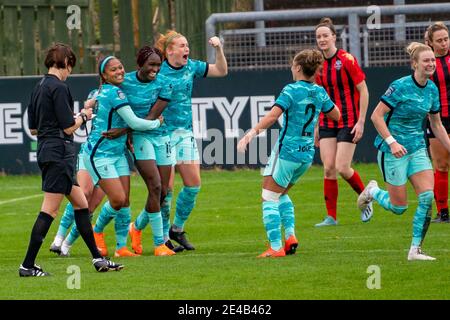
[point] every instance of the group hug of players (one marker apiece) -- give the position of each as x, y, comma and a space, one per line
148, 112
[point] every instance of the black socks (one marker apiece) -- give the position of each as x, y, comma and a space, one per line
38, 233
84, 226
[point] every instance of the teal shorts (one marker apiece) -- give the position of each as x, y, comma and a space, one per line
284, 172
156, 148
80, 160
107, 168
396, 171
184, 146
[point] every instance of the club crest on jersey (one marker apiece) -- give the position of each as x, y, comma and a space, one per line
389, 91
121, 95
338, 65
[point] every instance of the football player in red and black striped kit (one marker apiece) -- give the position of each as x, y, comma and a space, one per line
439, 41
345, 83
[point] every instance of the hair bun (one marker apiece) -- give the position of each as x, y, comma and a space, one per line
326, 20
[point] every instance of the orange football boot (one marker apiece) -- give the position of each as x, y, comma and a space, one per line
270, 253
291, 245
100, 242
162, 250
136, 236
124, 252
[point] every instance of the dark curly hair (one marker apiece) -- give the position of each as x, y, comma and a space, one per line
145, 52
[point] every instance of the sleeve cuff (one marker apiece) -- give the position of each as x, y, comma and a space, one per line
386, 103
434, 112
163, 99
279, 106
331, 109
206, 71
120, 106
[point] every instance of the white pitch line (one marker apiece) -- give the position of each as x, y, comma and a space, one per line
19, 199
20, 187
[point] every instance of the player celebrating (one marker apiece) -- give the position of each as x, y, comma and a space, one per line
146, 93
439, 41
300, 103
344, 81
107, 163
94, 196
402, 154
182, 71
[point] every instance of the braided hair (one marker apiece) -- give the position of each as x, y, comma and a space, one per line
145, 52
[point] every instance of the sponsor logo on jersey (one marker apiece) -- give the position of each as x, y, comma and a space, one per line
389, 91
121, 95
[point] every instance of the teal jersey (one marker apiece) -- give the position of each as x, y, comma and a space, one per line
92, 94
178, 114
302, 102
143, 95
410, 104
109, 99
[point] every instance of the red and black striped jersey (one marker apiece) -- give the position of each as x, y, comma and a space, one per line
441, 78
339, 76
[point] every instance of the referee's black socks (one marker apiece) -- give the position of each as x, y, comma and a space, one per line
38, 233
84, 226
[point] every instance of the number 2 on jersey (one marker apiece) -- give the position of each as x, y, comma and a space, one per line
312, 108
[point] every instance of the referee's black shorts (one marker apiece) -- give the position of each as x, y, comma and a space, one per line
56, 159
341, 134
445, 123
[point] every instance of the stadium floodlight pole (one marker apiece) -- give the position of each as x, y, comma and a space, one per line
301, 14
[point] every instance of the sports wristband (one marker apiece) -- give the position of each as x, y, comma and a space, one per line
83, 117
390, 140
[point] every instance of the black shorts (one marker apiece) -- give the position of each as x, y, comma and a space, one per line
445, 123
341, 134
56, 159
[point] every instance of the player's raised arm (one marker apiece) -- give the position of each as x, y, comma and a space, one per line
266, 122
220, 67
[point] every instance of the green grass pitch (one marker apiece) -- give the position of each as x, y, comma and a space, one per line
226, 227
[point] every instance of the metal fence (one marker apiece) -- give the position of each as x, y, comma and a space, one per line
383, 45
380, 47
281, 44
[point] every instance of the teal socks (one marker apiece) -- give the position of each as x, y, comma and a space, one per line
141, 221
67, 220
185, 204
272, 223
422, 218
156, 223
165, 214
383, 199
286, 210
106, 215
121, 225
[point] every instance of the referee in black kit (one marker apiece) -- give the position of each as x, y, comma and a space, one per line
51, 118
